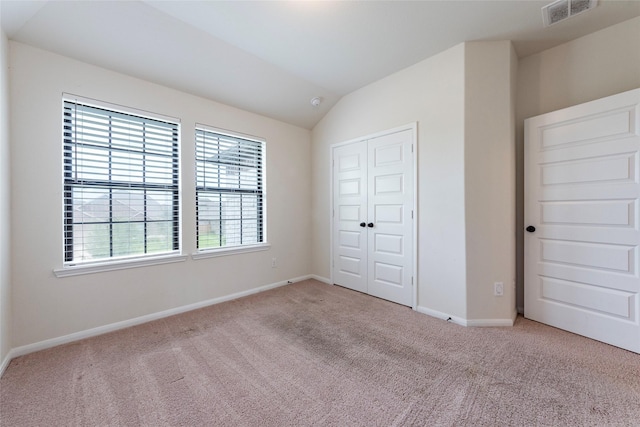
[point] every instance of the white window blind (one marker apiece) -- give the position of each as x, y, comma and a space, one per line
121, 184
229, 190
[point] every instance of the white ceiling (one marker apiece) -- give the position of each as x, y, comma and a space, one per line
271, 58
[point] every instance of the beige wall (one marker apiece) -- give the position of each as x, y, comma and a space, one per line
490, 74
594, 66
462, 101
46, 307
5, 226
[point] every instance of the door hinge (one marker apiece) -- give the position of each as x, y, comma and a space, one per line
412, 214
412, 148
411, 280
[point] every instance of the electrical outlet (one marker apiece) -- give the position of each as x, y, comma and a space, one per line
498, 289
274, 262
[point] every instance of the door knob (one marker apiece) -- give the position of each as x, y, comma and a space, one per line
370, 225
362, 224
530, 229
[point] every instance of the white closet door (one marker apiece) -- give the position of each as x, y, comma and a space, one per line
582, 184
390, 210
349, 212
373, 196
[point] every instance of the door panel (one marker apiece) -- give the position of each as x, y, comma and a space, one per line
613, 123
605, 300
389, 243
602, 213
581, 194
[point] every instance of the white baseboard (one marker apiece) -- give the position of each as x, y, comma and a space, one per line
310, 276
6, 361
490, 322
320, 279
299, 278
76, 336
467, 322
440, 315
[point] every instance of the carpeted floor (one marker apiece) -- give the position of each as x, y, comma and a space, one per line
314, 354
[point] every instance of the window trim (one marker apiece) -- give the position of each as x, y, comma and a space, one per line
230, 250
119, 264
70, 268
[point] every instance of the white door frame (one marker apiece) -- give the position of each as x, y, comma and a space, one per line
413, 127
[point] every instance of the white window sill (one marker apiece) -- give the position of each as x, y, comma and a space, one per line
210, 253
77, 270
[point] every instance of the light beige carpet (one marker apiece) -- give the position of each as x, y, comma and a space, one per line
314, 354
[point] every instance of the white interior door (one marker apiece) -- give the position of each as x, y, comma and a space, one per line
373, 193
582, 183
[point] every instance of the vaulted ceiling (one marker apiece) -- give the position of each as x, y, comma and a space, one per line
271, 58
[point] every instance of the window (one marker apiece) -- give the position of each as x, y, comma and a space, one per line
229, 190
121, 189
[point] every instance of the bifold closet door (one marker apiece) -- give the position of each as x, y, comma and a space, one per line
373, 216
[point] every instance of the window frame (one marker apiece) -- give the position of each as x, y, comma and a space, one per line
172, 190
246, 247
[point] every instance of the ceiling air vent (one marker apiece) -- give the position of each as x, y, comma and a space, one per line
562, 9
